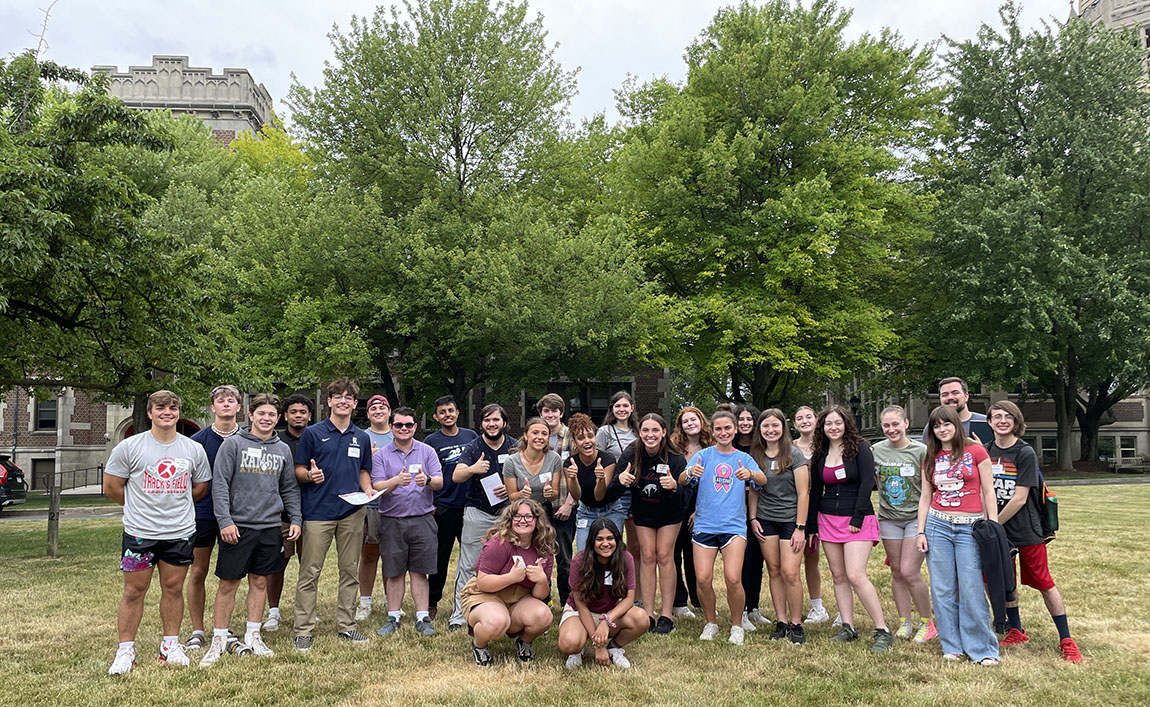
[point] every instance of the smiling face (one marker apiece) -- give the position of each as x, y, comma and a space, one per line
746, 422
297, 417
723, 428
953, 395
341, 404
493, 425
523, 522
164, 416
944, 430
552, 416
378, 414
538, 437
771, 428
585, 443
264, 419
652, 434
403, 427
805, 421
1002, 422
833, 426
622, 410
894, 426
604, 543
690, 423
446, 415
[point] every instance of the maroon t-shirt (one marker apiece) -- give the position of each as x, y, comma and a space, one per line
604, 602
497, 555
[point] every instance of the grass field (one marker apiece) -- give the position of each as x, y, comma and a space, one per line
57, 638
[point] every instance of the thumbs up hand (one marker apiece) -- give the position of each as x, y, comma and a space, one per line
627, 478
600, 474
742, 473
315, 473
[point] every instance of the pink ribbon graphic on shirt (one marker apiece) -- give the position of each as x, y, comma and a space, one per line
724, 477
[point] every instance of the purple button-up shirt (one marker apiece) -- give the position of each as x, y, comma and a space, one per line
410, 500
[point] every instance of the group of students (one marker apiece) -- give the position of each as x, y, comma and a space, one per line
737, 484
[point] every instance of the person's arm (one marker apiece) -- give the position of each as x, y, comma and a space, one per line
1017, 501
471, 462
289, 493
802, 489
542, 588
365, 463
986, 490
815, 497
114, 487
200, 489
603, 479
753, 514
225, 470
865, 465
923, 506
574, 490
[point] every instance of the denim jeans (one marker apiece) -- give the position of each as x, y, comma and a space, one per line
961, 611
616, 511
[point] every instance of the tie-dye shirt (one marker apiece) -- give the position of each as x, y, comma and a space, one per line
721, 504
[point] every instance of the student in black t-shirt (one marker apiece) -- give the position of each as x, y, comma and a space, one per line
1016, 477
746, 416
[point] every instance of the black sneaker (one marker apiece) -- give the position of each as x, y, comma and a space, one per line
781, 631
846, 634
663, 626
651, 624
354, 636
524, 651
482, 655
797, 635
883, 640
303, 643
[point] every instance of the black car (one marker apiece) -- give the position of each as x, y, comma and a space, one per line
13, 488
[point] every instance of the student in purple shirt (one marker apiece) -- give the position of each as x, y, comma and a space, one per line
408, 472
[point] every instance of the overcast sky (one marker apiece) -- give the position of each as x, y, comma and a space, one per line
606, 39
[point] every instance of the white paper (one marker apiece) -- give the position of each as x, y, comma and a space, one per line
359, 498
490, 483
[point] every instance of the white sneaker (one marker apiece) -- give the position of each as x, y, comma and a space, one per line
122, 664
257, 645
618, 659
737, 634
215, 651
683, 612
709, 632
746, 623
362, 612
756, 617
174, 655
817, 615
272, 623
838, 621
574, 660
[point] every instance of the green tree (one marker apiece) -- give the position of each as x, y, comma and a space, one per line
770, 194
1040, 245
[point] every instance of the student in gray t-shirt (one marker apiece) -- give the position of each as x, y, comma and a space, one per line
534, 451
156, 475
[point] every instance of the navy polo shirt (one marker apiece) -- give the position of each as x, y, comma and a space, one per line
210, 441
450, 451
478, 448
341, 455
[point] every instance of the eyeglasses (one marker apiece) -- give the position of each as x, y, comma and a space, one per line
403, 425
524, 519
348, 398
1004, 417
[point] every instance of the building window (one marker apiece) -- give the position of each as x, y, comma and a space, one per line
1146, 37
1107, 448
1049, 451
45, 415
1128, 446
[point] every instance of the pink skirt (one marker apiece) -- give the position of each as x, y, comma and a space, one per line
836, 529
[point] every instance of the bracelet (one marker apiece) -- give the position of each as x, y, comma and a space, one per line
607, 619
918, 534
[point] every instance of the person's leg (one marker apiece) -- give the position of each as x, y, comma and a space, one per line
565, 537
752, 577
488, 621
940, 561
704, 580
419, 591
257, 593
813, 575
898, 585
226, 602
584, 515
978, 639
682, 552
530, 619
131, 608
631, 625
665, 557
368, 564
475, 524
911, 565
317, 537
632, 542
348, 546
572, 636
172, 597
648, 556
842, 586
856, 555
450, 524
197, 576
395, 590
773, 560
790, 564
733, 555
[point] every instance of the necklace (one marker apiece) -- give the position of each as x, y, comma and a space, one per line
225, 435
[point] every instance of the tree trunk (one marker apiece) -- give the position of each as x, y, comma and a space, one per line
1096, 412
1065, 402
140, 422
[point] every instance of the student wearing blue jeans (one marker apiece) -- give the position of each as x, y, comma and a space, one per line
594, 469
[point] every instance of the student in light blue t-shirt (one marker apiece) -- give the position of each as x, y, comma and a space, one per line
724, 475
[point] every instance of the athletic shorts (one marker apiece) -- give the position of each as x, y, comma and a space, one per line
652, 516
408, 544
289, 545
897, 529
142, 554
207, 533
259, 551
715, 541
772, 527
371, 527
1035, 570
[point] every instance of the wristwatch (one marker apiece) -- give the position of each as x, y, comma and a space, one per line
801, 526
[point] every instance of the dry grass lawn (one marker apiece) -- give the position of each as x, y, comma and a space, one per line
57, 638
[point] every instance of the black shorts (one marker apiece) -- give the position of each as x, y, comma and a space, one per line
142, 553
207, 533
657, 515
773, 527
259, 551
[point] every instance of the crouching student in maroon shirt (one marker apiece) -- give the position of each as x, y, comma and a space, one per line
601, 605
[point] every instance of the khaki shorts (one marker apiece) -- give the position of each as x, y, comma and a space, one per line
470, 597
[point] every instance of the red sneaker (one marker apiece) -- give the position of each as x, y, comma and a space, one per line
1014, 637
1070, 650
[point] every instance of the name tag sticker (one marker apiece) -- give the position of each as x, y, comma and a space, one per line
353, 452
565, 456
256, 451
502, 458
582, 523
608, 580
840, 474
941, 467
996, 469
906, 470
545, 478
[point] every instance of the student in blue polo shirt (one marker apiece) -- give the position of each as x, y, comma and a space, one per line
333, 458
449, 442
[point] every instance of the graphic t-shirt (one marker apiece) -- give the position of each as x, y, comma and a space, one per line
517, 470
604, 602
496, 458
721, 504
586, 475
158, 495
450, 451
1015, 466
957, 485
779, 499
651, 504
898, 476
498, 555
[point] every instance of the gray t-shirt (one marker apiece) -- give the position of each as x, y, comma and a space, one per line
898, 478
514, 469
779, 499
614, 440
158, 495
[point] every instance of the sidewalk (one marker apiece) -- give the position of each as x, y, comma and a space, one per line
42, 513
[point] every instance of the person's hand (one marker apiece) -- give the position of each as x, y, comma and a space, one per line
742, 473
798, 540
976, 439
314, 473
627, 478
563, 512
548, 490
697, 470
231, 534
294, 532
403, 478
535, 572
853, 529
668, 482
421, 478
571, 470
601, 635
500, 491
480, 467
600, 473
691, 521
602, 657
813, 541
757, 527
518, 573
920, 541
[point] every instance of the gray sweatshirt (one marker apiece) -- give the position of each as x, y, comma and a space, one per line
254, 481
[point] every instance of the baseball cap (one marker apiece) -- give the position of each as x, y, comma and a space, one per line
377, 399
